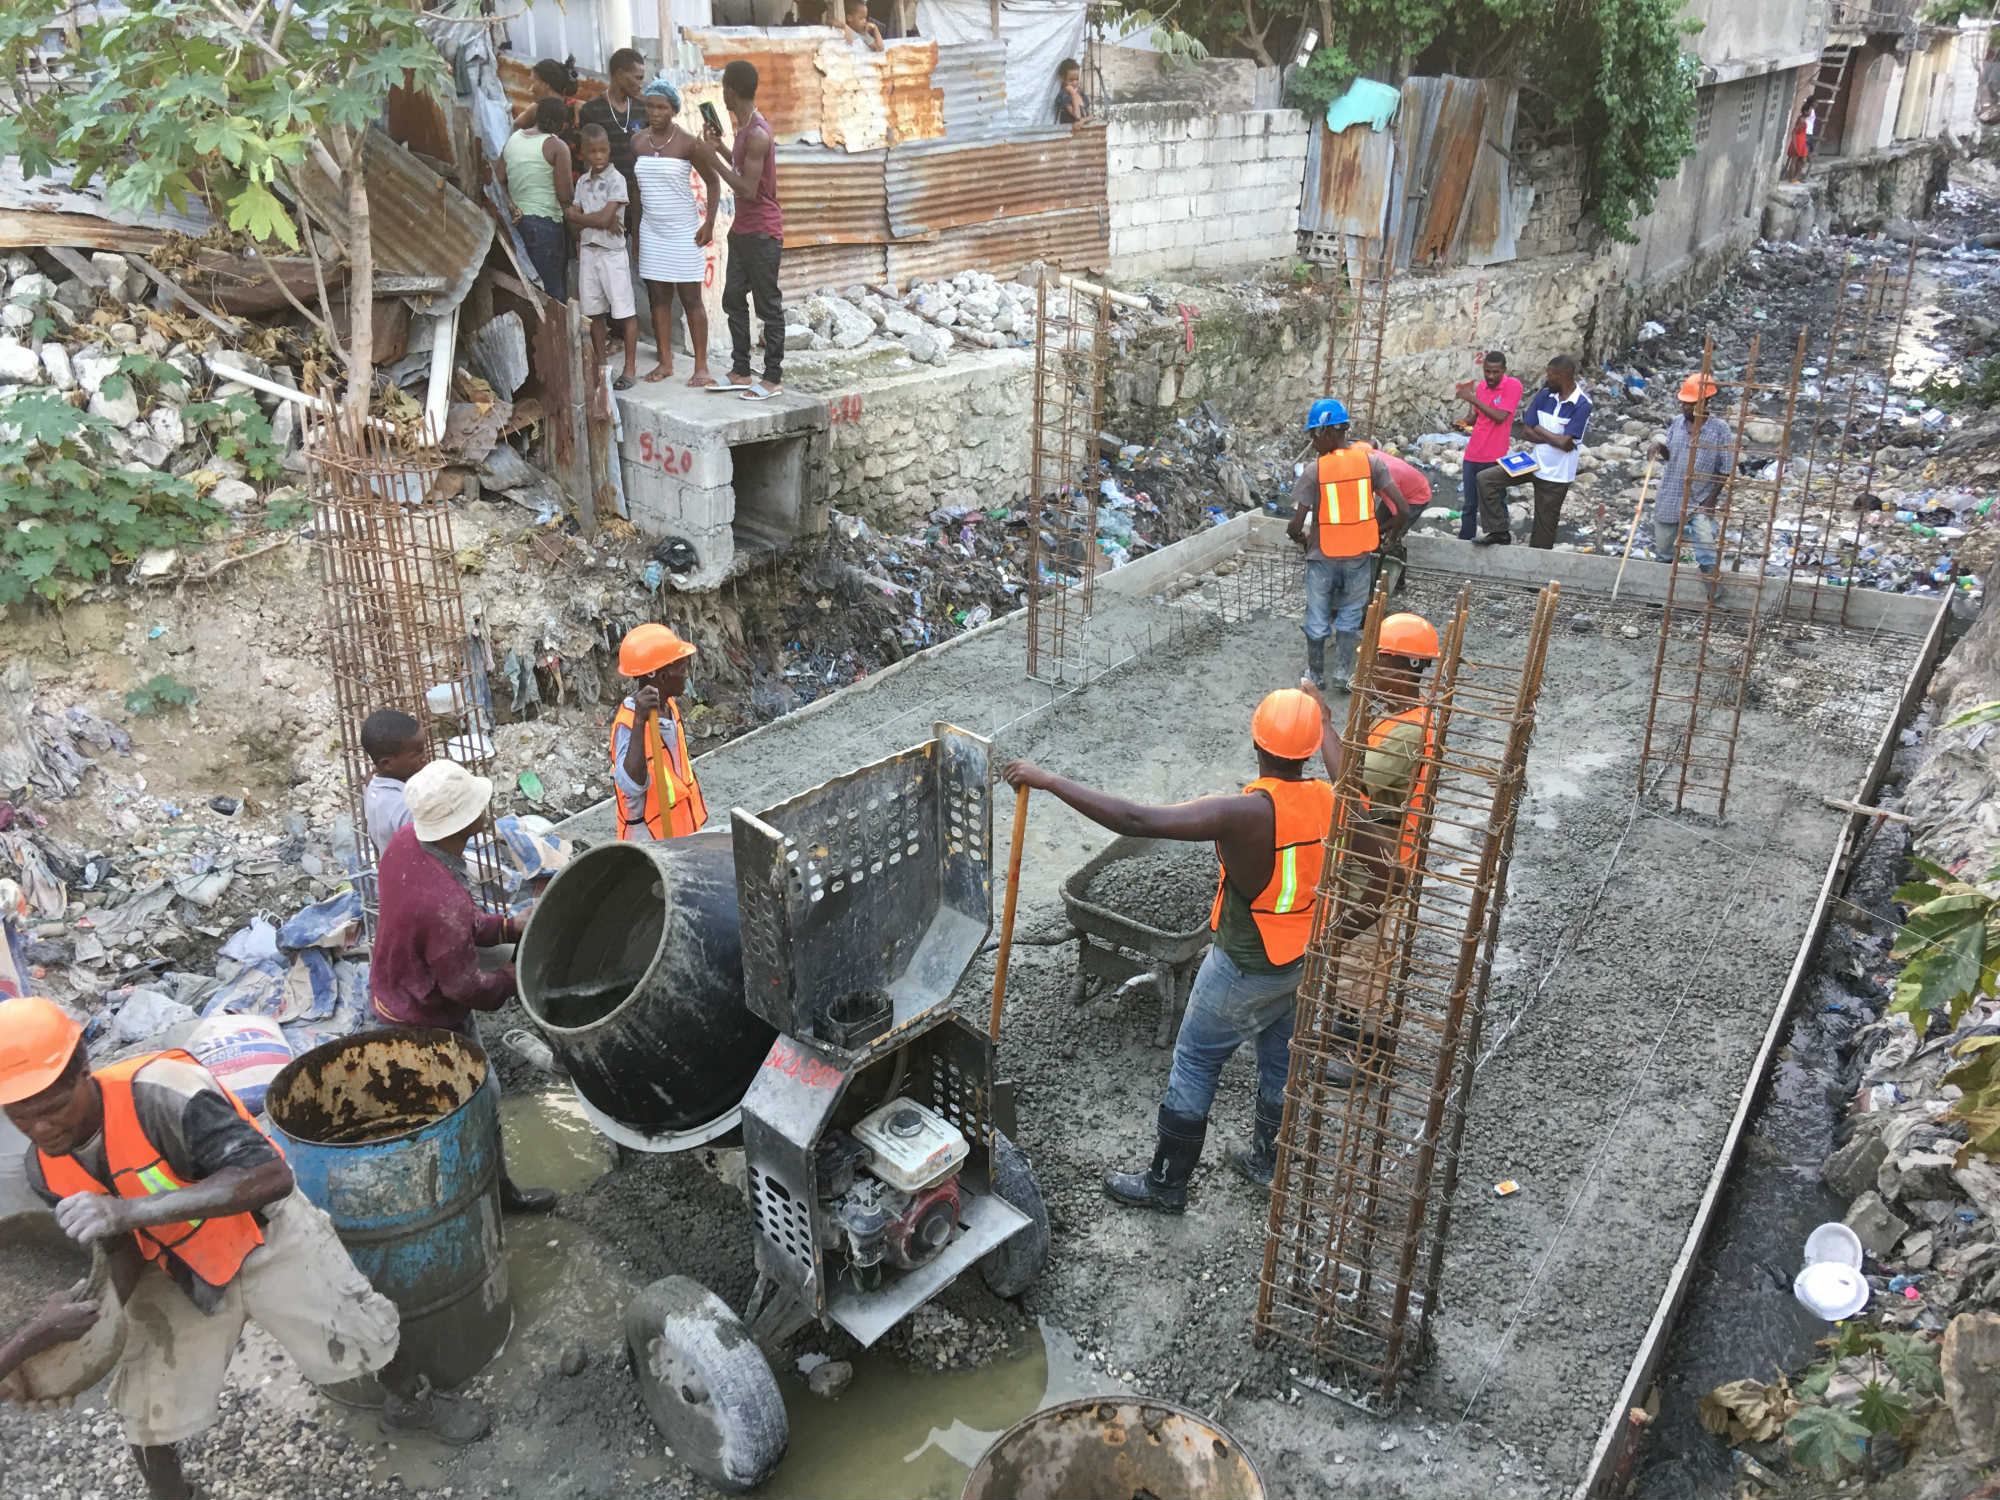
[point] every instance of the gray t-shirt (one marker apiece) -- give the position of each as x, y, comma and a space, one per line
186, 1115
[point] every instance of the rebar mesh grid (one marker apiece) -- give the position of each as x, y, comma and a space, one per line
1853, 403
395, 615
1367, 1165
1709, 625
1072, 340
1354, 343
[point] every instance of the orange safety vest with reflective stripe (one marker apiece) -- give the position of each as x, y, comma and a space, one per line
1347, 526
214, 1249
1419, 784
1283, 910
674, 804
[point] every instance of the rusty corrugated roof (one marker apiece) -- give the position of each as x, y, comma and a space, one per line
802, 272
972, 76
1347, 180
1076, 239
945, 184
832, 197
873, 99
419, 224
788, 82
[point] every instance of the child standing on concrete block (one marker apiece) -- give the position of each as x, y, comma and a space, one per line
603, 274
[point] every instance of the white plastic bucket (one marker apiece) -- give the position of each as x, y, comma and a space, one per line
1834, 1242
1831, 1290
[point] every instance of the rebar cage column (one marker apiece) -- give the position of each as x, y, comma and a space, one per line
1387, 1021
1072, 339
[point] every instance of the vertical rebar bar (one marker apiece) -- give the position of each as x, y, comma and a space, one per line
1070, 357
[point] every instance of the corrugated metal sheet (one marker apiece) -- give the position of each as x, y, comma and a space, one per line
972, 76
801, 272
1347, 180
947, 184
832, 197
1443, 165
1077, 239
873, 99
788, 81
419, 224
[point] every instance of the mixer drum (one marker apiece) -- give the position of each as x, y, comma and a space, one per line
632, 969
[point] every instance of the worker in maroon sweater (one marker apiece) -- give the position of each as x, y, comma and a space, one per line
426, 970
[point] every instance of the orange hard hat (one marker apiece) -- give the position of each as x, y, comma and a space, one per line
649, 647
1287, 724
36, 1043
1697, 386
1407, 635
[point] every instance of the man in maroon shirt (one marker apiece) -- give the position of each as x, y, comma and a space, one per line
756, 234
426, 969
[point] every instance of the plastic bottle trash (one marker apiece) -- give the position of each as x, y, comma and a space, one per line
1918, 528
1906, 516
1934, 420
1942, 572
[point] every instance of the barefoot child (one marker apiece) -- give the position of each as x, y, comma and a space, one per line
603, 273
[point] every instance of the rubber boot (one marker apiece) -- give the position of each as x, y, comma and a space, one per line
1316, 660
515, 1199
1346, 646
1261, 1159
450, 1419
1163, 1186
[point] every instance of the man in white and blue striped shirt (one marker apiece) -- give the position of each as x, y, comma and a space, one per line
1555, 422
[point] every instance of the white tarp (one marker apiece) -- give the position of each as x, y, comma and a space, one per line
1039, 34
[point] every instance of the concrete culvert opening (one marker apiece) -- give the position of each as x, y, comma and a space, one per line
769, 480
375, 1087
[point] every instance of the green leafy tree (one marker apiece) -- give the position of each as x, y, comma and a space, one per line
171, 100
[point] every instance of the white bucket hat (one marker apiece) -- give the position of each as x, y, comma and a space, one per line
445, 798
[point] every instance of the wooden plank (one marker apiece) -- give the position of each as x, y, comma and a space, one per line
574, 476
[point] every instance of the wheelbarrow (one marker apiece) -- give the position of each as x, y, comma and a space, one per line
1126, 947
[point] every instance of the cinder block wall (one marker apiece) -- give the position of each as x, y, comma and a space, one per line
1193, 191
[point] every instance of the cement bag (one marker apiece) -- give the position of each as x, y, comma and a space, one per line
243, 1052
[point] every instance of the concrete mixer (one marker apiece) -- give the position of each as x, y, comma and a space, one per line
797, 980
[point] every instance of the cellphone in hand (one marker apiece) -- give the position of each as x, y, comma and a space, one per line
709, 115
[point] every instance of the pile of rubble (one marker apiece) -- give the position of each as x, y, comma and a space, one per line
927, 321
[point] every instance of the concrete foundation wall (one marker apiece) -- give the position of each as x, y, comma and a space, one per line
904, 445
1192, 191
1859, 192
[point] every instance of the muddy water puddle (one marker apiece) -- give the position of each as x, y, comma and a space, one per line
913, 1433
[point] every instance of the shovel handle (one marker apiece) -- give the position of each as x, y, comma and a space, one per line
1632, 531
1007, 919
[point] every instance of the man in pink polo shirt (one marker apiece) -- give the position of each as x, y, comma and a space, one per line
1494, 399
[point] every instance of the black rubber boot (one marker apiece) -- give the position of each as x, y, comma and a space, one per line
450, 1419
519, 1200
1163, 1186
1261, 1160
1346, 647
1316, 660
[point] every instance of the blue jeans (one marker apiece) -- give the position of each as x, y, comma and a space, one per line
1702, 529
1468, 482
548, 252
1337, 593
1226, 1009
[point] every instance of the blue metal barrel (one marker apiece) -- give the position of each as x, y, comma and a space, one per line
396, 1134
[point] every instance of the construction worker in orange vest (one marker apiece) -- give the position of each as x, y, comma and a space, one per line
1396, 774
652, 775
1347, 505
1271, 841
156, 1160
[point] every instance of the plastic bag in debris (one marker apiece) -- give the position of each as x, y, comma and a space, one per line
1649, 330
46, 894
13, 959
144, 1013
249, 944
244, 1053
532, 846
332, 923
1116, 497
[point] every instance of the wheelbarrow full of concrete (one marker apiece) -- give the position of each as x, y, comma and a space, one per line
1117, 945
875, 1173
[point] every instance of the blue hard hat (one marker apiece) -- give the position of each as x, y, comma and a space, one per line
1326, 412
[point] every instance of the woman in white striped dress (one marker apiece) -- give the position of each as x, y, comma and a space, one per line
673, 232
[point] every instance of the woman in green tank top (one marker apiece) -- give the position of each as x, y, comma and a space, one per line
534, 172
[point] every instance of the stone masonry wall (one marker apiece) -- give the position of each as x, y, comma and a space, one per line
1260, 356
905, 444
1548, 197
1193, 191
